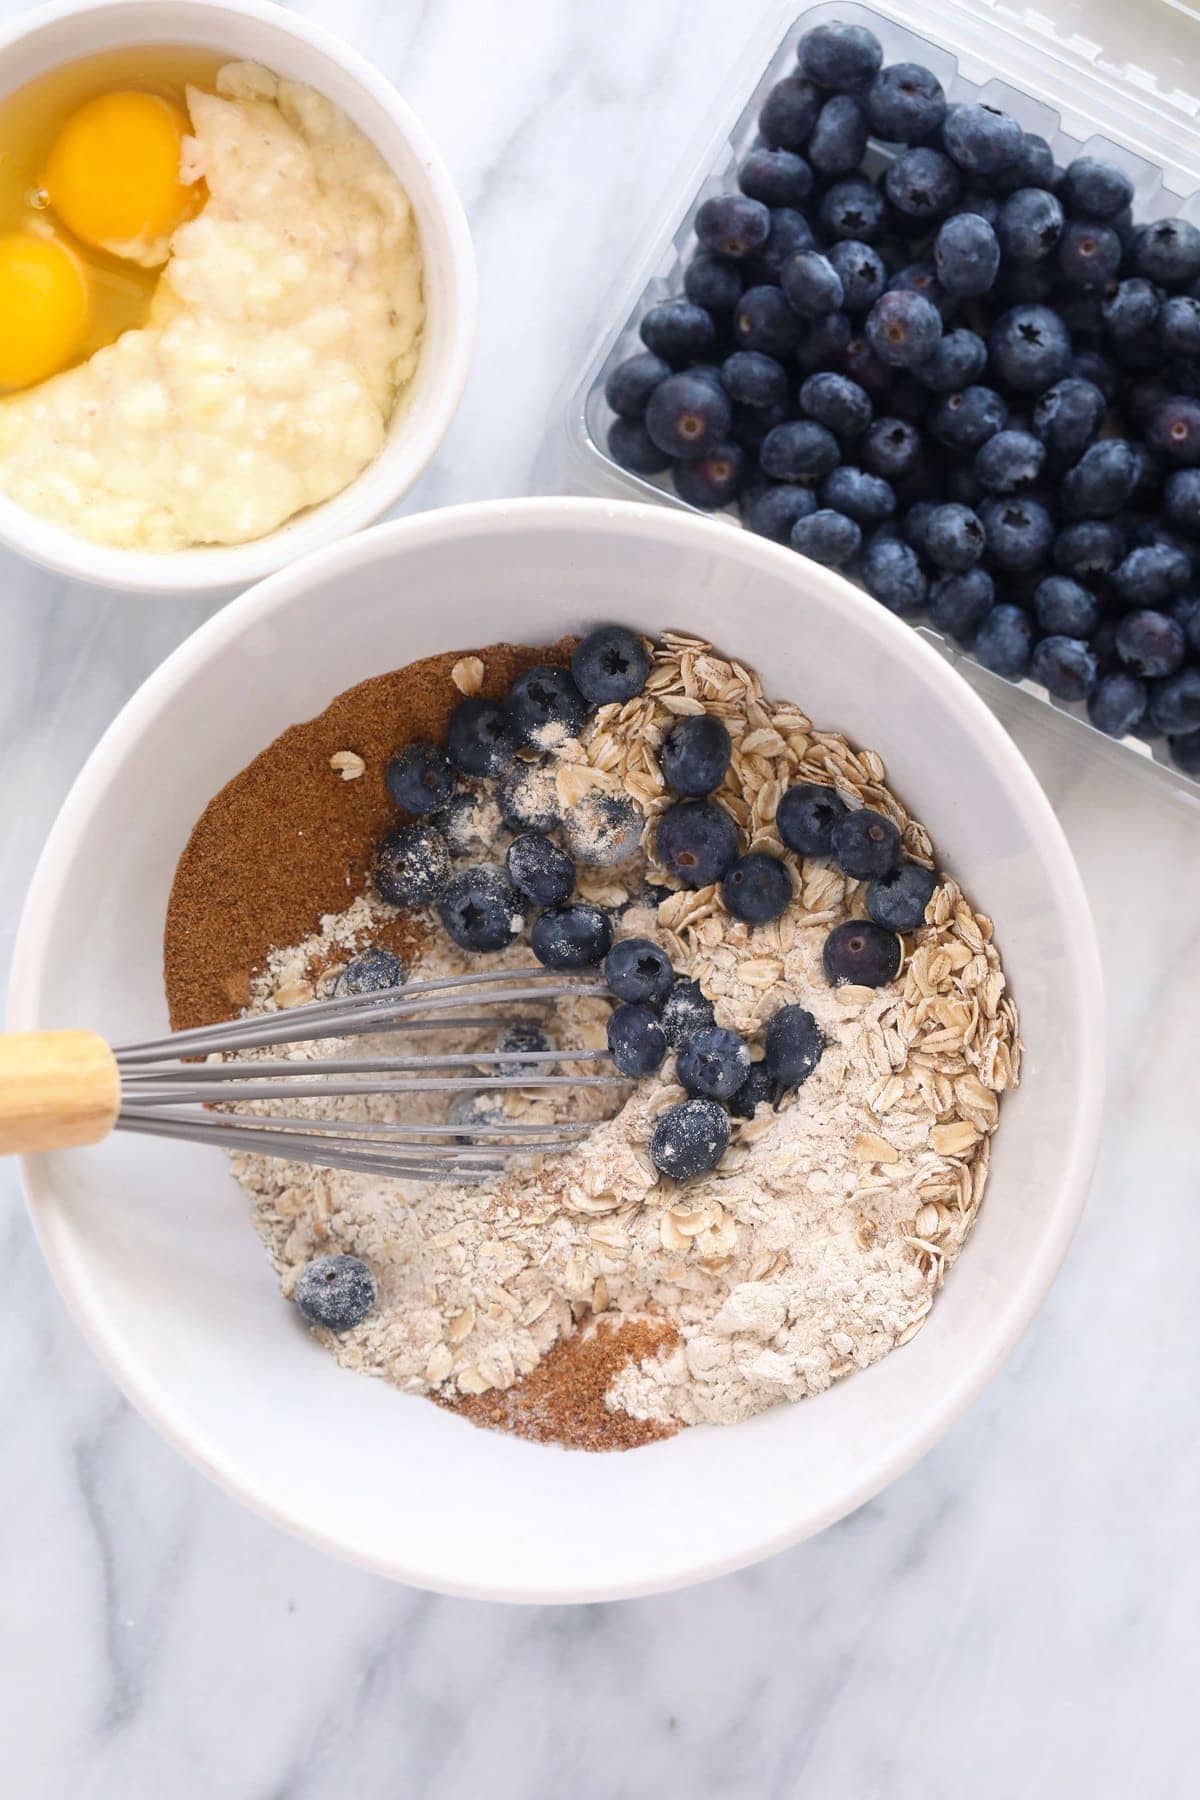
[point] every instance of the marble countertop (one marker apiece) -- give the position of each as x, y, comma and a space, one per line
1017, 1616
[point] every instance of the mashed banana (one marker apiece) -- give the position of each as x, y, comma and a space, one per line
284, 328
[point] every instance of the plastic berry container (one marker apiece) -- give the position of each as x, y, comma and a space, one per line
1085, 97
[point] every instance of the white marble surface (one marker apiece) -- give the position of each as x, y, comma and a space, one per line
1017, 1617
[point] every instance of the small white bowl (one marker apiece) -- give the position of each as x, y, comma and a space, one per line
151, 1243
257, 31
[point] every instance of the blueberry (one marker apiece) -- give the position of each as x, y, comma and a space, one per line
610, 665
631, 445
966, 254
1004, 642
1185, 748
1029, 226
1181, 499
1130, 311
1151, 643
1117, 703
757, 888
481, 909
860, 953
839, 56
860, 270
731, 225
790, 234
892, 448
545, 708
776, 177
954, 537
685, 1011
475, 1112
520, 1043
799, 451
905, 103
958, 604
715, 1063
867, 499
412, 865
916, 523
1019, 532
897, 901
469, 823
527, 797
695, 755
1094, 366
823, 342
853, 209
1151, 574
757, 1090
806, 816
922, 184
602, 829
838, 141
774, 513
754, 379
964, 420
861, 364
636, 1041
637, 970
1179, 326
921, 278
1010, 462
827, 537
696, 842
690, 1139
751, 426
1174, 429
687, 414
713, 480
539, 869
903, 328
632, 382
1020, 284
1175, 703
792, 1047
865, 844
812, 284
836, 402
978, 200
1063, 607
1088, 255
419, 779
892, 574
960, 356
370, 971
763, 320
678, 332
1033, 167
1065, 666
479, 737
789, 113
1030, 347
981, 139
1095, 189
571, 937
713, 282
1101, 481
335, 1291
1168, 251
1067, 418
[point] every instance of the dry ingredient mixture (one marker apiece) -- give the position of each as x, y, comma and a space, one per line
587, 1299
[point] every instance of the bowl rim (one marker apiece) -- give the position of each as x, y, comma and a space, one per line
222, 568
141, 1385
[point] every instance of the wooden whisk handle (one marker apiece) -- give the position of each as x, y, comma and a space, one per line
57, 1089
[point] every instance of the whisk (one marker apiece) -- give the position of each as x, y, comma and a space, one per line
60, 1089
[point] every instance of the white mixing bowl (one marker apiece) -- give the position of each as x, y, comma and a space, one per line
258, 31
152, 1244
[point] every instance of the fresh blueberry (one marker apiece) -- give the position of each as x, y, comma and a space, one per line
678, 332
774, 513
958, 604
892, 448
695, 755
891, 572
1168, 251
1010, 462
966, 255
1029, 226
336, 1291
1065, 666
420, 780
696, 842
603, 829
539, 869
812, 284
1151, 643
853, 209
954, 538
800, 451
867, 499
838, 141
836, 402
789, 113
1185, 748
1088, 255
861, 364
1185, 608
685, 1011
978, 200
731, 225
631, 445
865, 844
792, 1047
860, 953
610, 665
545, 708
806, 816
916, 522
823, 342
1065, 608
1117, 703
897, 901
1101, 482
687, 414
1004, 642
713, 282
1022, 284
1095, 189
636, 1041
860, 270
412, 865
1174, 429
1181, 499
1094, 366
637, 970
370, 971
827, 537
520, 1043
754, 379
981, 139
690, 1139
959, 358
839, 56
776, 177
479, 737
632, 382
921, 278
1029, 347
481, 909
1130, 313
1152, 574
1033, 167
713, 480
905, 103
1175, 703
1019, 532
903, 328
922, 184
571, 937
1067, 418
757, 888
1179, 326
966, 419
763, 320
714, 1063
751, 426
789, 236
757, 1090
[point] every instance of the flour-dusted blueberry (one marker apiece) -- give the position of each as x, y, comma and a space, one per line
1152, 574
754, 379
1185, 749
1151, 643
1067, 418
806, 816
1175, 702
812, 284
860, 953
800, 451
757, 888
1019, 532
1004, 642
695, 755
776, 177
892, 448
839, 55
1094, 189
789, 113
1174, 430
853, 209
1168, 252
636, 969
1029, 226
827, 537
865, 844
1010, 462
632, 382
545, 708
922, 184
1101, 482
958, 358
631, 445
336, 1291
714, 1062
980, 138
1179, 326
527, 796
966, 419
469, 823
861, 272
792, 1047
685, 1011
905, 103
479, 737
420, 779
966, 255
757, 1090
958, 604
539, 869
903, 328
1181, 500
1088, 255
412, 865
763, 320
520, 1044
687, 414
603, 829
713, 282
572, 937
1117, 704
838, 141
954, 537
690, 1139
1030, 347
1065, 666
712, 480
732, 225
696, 841
636, 1041
891, 572
774, 513
370, 971
897, 901
481, 909
1064, 606
610, 665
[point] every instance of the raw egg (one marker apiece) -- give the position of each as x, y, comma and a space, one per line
112, 176
43, 309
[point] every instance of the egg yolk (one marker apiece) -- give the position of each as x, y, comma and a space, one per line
43, 309
112, 175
